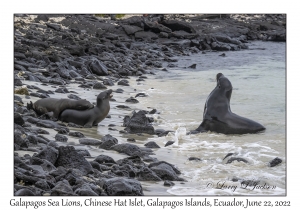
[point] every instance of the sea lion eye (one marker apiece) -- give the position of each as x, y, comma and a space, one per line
219, 86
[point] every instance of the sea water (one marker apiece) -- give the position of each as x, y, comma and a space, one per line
258, 77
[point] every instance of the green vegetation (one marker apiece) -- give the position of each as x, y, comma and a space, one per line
107, 15
119, 16
22, 91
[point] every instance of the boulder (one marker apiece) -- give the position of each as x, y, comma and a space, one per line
146, 174
237, 159
145, 35
176, 25
76, 134
156, 27
128, 149
220, 46
138, 123
151, 144
45, 164
123, 82
131, 29
48, 153
108, 141
122, 187
63, 72
18, 119
98, 68
24, 192
104, 159
275, 162
62, 188
99, 86
61, 138
89, 141
85, 190
165, 171
132, 100
69, 158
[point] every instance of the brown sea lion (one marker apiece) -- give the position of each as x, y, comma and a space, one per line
91, 117
217, 115
56, 106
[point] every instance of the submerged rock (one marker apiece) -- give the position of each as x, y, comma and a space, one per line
194, 158
237, 159
132, 100
151, 144
275, 162
169, 143
168, 183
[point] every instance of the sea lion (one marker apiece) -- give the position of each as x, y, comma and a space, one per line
217, 115
88, 118
56, 106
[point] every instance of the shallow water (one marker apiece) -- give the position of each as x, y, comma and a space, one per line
258, 79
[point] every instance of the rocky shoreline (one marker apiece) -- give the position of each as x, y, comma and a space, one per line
102, 53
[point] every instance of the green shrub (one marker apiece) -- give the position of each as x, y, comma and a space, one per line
107, 15
119, 16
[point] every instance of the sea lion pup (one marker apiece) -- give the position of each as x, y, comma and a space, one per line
217, 115
91, 117
56, 106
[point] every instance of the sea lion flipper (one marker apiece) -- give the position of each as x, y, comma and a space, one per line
202, 127
193, 132
88, 125
197, 131
30, 105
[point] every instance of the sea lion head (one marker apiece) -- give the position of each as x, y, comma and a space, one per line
105, 95
223, 85
83, 104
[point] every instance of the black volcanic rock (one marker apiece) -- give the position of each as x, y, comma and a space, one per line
138, 123
69, 158
122, 187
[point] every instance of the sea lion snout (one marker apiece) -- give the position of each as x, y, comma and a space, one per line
224, 83
218, 76
109, 93
104, 95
